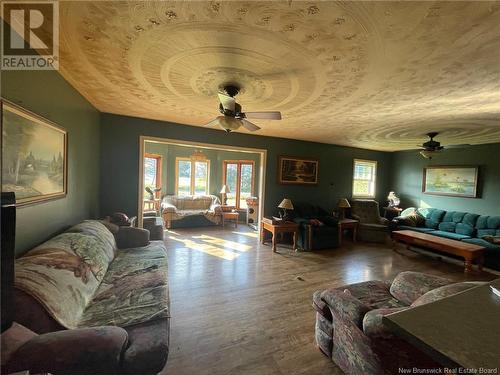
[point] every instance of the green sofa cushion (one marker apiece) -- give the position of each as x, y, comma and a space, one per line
485, 232
458, 216
448, 216
450, 235
464, 229
447, 226
494, 222
431, 224
436, 215
482, 222
470, 219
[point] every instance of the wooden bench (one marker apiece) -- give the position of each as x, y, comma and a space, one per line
469, 252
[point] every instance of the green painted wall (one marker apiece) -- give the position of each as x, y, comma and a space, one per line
120, 162
407, 179
216, 157
49, 95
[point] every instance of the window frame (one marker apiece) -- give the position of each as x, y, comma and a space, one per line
375, 164
238, 177
159, 164
193, 173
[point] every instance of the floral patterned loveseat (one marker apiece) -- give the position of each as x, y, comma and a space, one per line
98, 299
349, 327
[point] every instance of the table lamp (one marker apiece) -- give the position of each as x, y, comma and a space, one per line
286, 204
224, 191
343, 204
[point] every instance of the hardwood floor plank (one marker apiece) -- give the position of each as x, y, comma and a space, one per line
239, 308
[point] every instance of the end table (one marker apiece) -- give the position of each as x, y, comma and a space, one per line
348, 224
276, 228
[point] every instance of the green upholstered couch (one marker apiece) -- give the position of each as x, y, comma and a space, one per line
456, 225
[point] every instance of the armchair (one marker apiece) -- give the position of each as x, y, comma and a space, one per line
372, 227
349, 327
317, 229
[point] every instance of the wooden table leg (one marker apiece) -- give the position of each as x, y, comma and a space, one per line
274, 240
295, 241
262, 234
340, 235
354, 233
468, 265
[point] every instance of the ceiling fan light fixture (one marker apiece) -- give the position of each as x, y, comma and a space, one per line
229, 123
429, 154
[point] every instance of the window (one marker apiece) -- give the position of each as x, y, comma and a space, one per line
365, 174
239, 177
192, 176
152, 172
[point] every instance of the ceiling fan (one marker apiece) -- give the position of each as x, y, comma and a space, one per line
432, 147
233, 117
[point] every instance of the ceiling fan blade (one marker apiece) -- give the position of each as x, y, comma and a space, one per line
464, 145
248, 125
227, 101
215, 121
271, 115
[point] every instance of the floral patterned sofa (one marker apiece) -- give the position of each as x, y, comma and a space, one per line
349, 327
191, 210
93, 302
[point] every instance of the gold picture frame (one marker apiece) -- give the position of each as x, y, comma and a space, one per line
453, 181
34, 156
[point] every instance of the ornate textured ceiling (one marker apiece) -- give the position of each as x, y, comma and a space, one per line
376, 75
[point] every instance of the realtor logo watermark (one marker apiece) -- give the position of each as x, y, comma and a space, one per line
30, 35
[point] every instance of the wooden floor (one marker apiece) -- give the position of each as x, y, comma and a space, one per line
237, 308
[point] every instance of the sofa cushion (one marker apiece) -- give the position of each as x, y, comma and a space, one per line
465, 229
482, 222
417, 229
408, 285
447, 226
431, 224
434, 217
63, 274
494, 222
470, 219
445, 291
450, 235
373, 325
458, 216
374, 294
98, 230
485, 232
134, 290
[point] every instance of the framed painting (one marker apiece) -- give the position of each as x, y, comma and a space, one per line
454, 181
34, 156
298, 171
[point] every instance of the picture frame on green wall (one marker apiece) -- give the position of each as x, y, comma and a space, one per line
453, 181
34, 156
297, 171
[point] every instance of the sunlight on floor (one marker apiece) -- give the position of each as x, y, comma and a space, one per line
224, 243
248, 234
207, 248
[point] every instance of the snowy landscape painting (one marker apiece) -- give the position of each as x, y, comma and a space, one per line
33, 156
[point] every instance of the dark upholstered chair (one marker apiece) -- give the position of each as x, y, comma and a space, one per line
317, 229
350, 328
372, 227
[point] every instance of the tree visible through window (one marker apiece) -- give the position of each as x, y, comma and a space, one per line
152, 171
192, 176
365, 174
239, 177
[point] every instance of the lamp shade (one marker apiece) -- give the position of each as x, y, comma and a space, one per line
286, 204
344, 203
225, 189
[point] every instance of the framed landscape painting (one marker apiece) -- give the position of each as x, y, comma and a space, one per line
298, 171
454, 181
34, 156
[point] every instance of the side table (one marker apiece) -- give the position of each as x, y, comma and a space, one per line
277, 228
348, 224
230, 216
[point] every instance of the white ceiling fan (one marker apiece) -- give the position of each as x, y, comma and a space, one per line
233, 117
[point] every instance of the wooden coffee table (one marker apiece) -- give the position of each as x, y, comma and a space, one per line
469, 252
